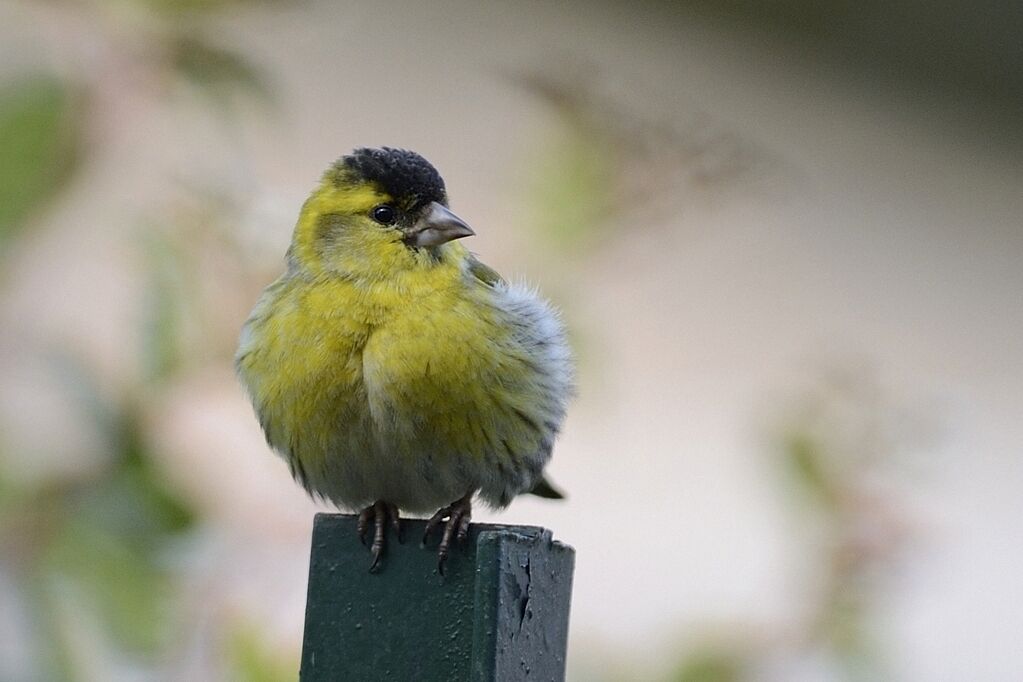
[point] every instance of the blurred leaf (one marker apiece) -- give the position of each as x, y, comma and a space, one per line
131, 481
57, 665
113, 538
198, 6
124, 585
251, 661
163, 510
188, 6
710, 665
38, 136
847, 629
98, 548
217, 70
9, 493
134, 501
164, 346
574, 182
805, 458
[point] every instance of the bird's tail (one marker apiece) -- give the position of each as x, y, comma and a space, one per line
543, 488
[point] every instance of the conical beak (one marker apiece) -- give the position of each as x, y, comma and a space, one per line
437, 226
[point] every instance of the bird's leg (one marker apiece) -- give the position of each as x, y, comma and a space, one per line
381, 514
455, 517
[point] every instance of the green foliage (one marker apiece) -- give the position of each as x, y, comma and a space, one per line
99, 546
574, 181
135, 483
192, 7
95, 548
807, 462
109, 538
118, 580
39, 138
710, 665
250, 660
131, 480
165, 307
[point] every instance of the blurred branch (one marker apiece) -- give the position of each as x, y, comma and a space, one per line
217, 71
838, 443
611, 161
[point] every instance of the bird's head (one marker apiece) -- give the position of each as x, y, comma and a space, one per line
375, 210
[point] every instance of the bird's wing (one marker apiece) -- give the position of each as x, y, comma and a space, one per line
490, 277
483, 272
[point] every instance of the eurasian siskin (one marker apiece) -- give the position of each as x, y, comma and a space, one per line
392, 369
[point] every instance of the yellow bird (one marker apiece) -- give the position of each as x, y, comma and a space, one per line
393, 370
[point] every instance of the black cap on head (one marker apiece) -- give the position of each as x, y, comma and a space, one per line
405, 175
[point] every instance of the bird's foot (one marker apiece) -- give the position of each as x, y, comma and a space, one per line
381, 514
455, 517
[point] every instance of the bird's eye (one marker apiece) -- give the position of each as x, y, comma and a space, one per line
385, 214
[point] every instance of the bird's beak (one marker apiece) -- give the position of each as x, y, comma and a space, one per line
437, 226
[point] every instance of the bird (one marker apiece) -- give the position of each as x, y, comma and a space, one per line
393, 370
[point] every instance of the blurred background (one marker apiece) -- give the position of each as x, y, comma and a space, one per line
786, 238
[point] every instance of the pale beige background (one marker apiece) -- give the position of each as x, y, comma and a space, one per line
874, 232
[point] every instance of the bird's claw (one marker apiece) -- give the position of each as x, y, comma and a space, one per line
381, 514
455, 517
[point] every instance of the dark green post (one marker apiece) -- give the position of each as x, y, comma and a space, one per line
499, 612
